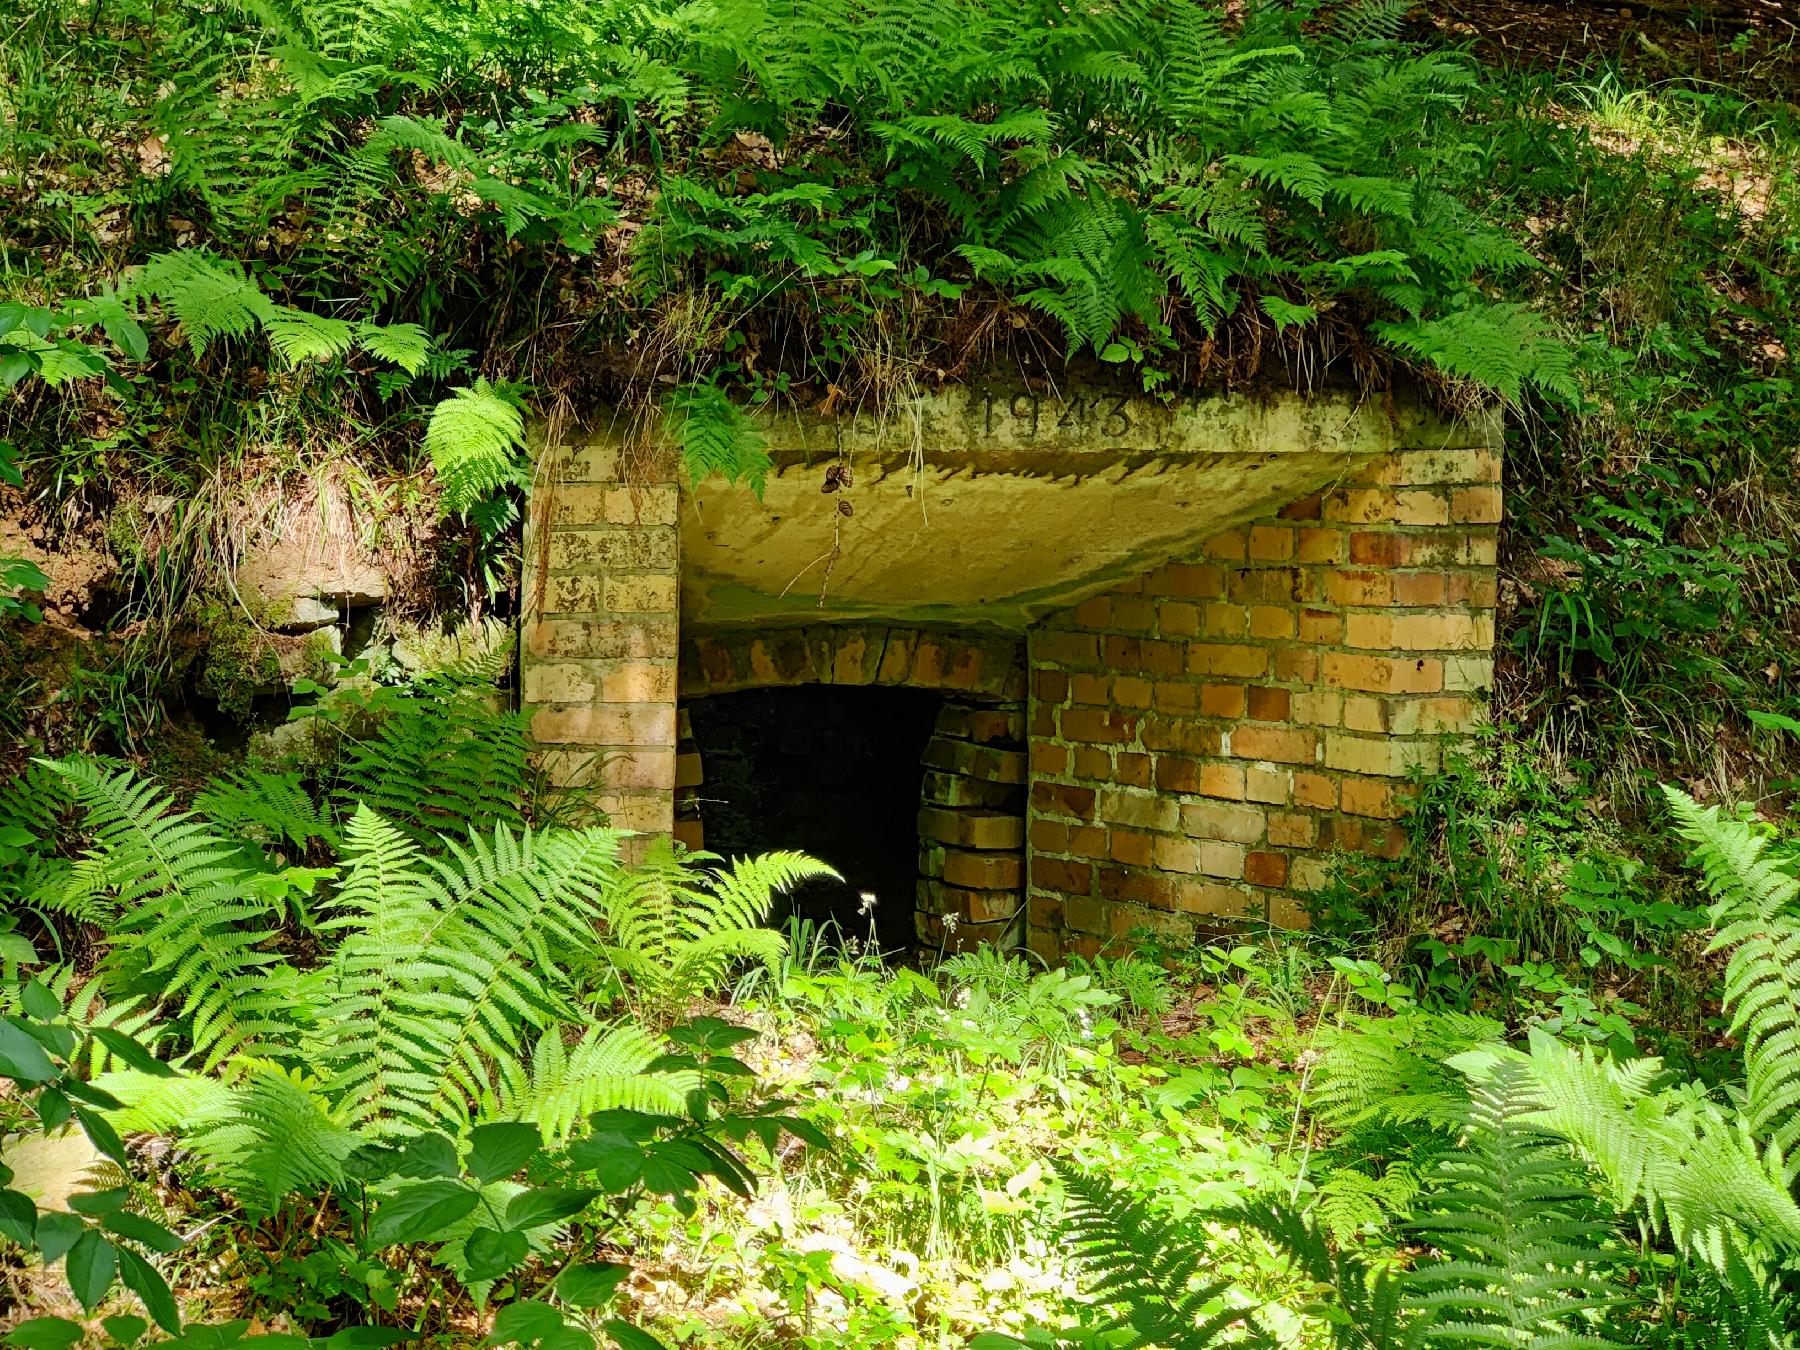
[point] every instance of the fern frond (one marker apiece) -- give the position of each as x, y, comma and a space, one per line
1753, 892
178, 892
210, 297
476, 440
716, 437
603, 1070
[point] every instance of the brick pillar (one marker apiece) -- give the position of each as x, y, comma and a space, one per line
972, 829
1205, 737
597, 663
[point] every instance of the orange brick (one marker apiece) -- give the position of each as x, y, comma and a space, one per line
1131, 847
1321, 545
1361, 797
1049, 836
1215, 820
1321, 626
1221, 780
1066, 649
1284, 745
1093, 762
1420, 590
1420, 507
1090, 689
1476, 506
1267, 784
1133, 614
1213, 899
1307, 508
1176, 855
1131, 692
1270, 705
1359, 506
1096, 726
1095, 613
1225, 620
1359, 588
1177, 618
1048, 758
1210, 658
1192, 580
1175, 773
1292, 831
1270, 543
1384, 674
1377, 548
1219, 859
1296, 666
1132, 769
1271, 621
1363, 713
1316, 708
1222, 700
1051, 686
1087, 841
1061, 874
1315, 790
1381, 756
1176, 698
1227, 547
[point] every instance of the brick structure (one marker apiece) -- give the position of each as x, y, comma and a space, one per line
1204, 737
600, 634
1185, 746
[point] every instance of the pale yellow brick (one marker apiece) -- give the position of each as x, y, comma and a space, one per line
561, 682
1379, 756
651, 594
1143, 811
1463, 674
1223, 821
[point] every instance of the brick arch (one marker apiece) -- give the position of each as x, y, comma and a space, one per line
970, 886
982, 667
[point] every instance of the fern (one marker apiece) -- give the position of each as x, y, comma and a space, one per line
672, 929
1758, 921
270, 810
717, 437
180, 916
210, 297
1499, 346
1515, 1219
441, 760
476, 440
607, 1068
1149, 1275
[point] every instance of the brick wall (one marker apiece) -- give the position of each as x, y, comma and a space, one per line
972, 829
599, 638
1204, 737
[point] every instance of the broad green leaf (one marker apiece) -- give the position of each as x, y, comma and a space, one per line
535, 1208
100, 1202
422, 1212
131, 1052
125, 1328
40, 1002
615, 1161
630, 1337
139, 1229
90, 1267
591, 1286
21, 1057
45, 1333
488, 1253
144, 1280
497, 1151
56, 1233
18, 1218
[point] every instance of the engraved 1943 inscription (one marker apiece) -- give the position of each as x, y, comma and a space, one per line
1027, 414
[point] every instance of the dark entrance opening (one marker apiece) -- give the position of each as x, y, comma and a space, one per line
832, 771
